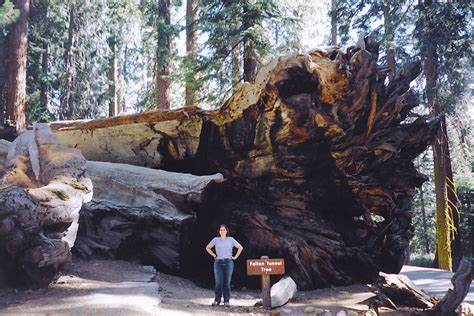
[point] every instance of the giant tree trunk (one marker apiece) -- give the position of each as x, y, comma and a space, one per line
17, 42
317, 159
42, 189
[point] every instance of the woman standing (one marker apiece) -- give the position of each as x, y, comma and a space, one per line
223, 263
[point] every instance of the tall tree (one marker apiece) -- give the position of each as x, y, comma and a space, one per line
163, 55
250, 58
190, 95
443, 47
66, 108
17, 43
333, 22
8, 16
113, 78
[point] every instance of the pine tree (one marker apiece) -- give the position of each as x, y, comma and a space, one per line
16, 74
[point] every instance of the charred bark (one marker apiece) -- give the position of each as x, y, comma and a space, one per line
317, 156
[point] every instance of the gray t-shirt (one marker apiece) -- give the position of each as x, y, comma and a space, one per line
224, 246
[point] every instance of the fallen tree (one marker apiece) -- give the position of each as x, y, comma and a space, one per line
317, 155
42, 190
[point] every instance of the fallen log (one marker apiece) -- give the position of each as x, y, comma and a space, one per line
42, 190
317, 155
398, 292
141, 214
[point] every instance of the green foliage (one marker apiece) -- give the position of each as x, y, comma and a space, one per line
422, 260
226, 24
8, 14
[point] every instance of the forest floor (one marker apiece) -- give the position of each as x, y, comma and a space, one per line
100, 287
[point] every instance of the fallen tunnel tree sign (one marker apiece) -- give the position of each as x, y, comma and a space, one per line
265, 267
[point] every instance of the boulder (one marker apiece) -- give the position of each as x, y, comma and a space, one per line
282, 291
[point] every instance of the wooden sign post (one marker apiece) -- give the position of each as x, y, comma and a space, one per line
265, 267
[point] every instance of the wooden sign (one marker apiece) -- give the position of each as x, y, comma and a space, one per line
265, 266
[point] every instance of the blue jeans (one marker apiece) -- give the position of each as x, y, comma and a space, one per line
223, 269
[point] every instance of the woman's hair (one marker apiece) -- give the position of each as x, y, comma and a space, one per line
225, 226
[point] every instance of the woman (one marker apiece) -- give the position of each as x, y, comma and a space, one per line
223, 264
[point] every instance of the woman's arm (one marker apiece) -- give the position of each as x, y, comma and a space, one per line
239, 250
209, 250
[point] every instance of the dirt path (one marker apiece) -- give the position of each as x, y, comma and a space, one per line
114, 288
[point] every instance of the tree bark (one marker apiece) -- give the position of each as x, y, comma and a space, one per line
65, 112
236, 60
388, 34
250, 60
333, 22
163, 56
113, 98
17, 42
447, 218
44, 86
41, 194
190, 95
303, 180
423, 218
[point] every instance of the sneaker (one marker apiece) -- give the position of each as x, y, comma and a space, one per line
215, 303
227, 304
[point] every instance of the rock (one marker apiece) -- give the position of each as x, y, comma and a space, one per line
141, 214
341, 313
309, 310
282, 291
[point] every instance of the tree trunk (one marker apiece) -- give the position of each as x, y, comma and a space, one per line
190, 94
423, 218
388, 34
65, 112
303, 180
163, 56
41, 195
17, 43
250, 60
446, 215
44, 86
452, 201
333, 22
236, 61
113, 99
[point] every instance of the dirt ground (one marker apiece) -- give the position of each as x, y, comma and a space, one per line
101, 287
